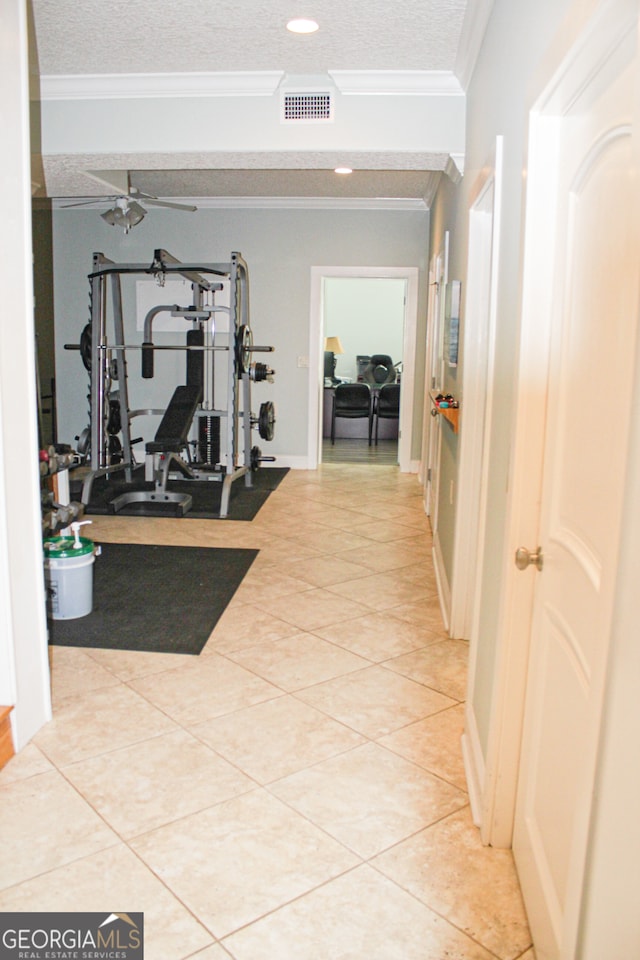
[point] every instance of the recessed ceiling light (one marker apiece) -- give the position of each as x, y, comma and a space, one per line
343, 170
300, 25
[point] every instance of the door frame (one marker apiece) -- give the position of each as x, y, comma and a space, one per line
316, 355
480, 319
431, 426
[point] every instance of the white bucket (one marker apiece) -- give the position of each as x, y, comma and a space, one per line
68, 577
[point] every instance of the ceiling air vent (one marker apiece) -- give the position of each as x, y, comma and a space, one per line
307, 107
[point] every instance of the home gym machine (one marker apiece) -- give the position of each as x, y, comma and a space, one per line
222, 448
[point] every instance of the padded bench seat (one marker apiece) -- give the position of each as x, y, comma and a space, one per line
173, 432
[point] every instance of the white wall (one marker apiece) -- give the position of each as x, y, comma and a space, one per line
518, 41
148, 125
517, 38
280, 247
367, 315
24, 668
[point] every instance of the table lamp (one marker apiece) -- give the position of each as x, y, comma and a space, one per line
333, 345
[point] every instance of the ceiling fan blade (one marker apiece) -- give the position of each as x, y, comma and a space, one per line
86, 203
152, 202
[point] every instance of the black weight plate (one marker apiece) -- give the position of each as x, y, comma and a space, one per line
256, 457
115, 450
85, 346
114, 422
267, 420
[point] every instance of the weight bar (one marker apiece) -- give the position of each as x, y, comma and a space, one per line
257, 458
153, 346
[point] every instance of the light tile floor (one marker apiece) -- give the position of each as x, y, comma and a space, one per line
297, 791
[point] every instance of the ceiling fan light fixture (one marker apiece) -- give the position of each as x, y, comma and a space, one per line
125, 214
109, 216
135, 213
302, 25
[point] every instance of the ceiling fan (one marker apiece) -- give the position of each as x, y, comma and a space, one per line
127, 211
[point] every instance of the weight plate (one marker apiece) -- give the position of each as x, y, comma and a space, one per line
115, 450
114, 421
267, 420
244, 341
256, 457
84, 442
85, 346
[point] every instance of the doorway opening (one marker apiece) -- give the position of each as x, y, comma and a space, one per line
334, 292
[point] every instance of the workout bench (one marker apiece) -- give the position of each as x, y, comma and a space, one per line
172, 437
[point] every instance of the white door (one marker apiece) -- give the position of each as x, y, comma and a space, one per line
595, 277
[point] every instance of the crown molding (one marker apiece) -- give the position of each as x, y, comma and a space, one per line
406, 204
455, 167
125, 86
474, 27
413, 83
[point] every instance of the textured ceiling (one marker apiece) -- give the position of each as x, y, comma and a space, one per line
141, 36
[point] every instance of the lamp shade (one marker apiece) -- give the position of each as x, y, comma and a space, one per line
333, 345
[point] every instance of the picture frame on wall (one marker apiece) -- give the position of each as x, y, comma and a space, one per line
452, 321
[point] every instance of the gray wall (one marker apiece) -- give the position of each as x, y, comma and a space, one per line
367, 315
280, 246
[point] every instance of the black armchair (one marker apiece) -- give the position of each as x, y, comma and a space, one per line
387, 404
351, 400
379, 370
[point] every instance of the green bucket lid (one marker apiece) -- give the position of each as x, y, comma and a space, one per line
64, 547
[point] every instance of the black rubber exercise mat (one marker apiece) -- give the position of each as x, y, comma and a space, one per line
155, 598
244, 502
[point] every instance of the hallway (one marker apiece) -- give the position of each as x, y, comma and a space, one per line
297, 791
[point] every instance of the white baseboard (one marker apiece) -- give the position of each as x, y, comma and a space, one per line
442, 582
302, 463
292, 461
474, 767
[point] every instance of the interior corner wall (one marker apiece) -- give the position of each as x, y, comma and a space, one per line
279, 245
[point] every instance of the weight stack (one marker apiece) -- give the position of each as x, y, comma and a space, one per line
195, 358
209, 440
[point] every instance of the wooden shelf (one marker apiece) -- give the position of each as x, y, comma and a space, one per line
6, 741
450, 414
